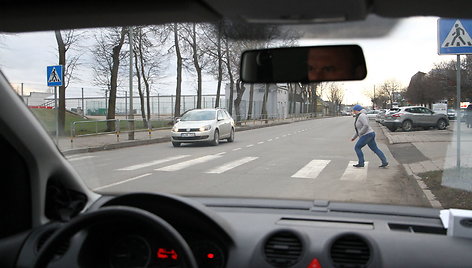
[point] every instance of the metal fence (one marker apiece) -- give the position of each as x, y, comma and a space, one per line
158, 105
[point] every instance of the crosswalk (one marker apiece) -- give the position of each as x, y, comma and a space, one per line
311, 169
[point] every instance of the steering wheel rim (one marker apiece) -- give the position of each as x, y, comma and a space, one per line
110, 213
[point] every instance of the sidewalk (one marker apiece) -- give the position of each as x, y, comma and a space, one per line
439, 147
94, 143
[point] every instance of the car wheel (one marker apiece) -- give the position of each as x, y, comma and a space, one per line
407, 125
176, 144
216, 138
231, 135
441, 124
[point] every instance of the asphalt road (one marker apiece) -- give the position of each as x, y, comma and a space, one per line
303, 160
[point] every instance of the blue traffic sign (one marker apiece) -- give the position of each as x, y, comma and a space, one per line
454, 36
54, 75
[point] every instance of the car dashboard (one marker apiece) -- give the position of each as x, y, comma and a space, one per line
232, 232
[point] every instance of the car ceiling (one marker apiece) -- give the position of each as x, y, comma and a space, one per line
34, 15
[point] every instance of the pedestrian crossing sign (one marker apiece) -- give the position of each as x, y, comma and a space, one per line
454, 36
54, 75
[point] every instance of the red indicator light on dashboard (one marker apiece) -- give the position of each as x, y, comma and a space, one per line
210, 256
163, 253
314, 264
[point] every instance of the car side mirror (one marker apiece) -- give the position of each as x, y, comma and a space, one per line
177, 120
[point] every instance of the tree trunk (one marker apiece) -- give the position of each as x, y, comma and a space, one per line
264, 102
114, 80
178, 89
251, 101
220, 68
237, 102
231, 81
144, 76
61, 110
198, 69
140, 90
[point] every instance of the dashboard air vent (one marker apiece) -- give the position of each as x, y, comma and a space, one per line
350, 251
283, 249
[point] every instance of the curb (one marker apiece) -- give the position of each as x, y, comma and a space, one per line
428, 194
387, 134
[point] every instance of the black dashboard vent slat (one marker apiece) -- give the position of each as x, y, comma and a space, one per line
350, 251
283, 249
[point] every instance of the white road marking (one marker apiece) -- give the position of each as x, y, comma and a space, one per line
222, 153
355, 174
232, 165
153, 163
250, 145
312, 169
189, 163
121, 182
237, 149
270, 140
80, 158
277, 138
261, 142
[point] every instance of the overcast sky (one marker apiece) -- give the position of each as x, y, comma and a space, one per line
410, 47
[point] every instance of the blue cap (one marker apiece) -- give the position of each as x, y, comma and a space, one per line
357, 108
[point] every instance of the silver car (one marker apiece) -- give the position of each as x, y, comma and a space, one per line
410, 117
203, 125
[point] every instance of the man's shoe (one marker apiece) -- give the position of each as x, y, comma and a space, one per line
358, 165
384, 165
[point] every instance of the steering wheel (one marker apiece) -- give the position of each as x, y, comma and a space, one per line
115, 213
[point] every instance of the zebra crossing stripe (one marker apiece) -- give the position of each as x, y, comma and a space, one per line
231, 165
153, 163
312, 169
189, 163
355, 174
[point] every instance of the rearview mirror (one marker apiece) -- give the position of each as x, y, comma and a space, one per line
303, 64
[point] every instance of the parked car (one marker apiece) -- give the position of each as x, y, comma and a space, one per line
381, 116
203, 125
410, 117
372, 114
451, 114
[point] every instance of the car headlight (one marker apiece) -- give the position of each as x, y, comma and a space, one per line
205, 128
175, 129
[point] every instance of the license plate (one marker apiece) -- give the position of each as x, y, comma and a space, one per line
188, 134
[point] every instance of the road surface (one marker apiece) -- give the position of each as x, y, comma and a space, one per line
304, 160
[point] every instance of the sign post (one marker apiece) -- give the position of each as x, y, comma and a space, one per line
454, 39
55, 78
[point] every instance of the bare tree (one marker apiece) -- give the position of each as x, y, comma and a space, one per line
65, 44
390, 88
147, 63
179, 59
191, 34
108, 54
335, 95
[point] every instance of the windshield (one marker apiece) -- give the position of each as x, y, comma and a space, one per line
199, 116
286, 140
